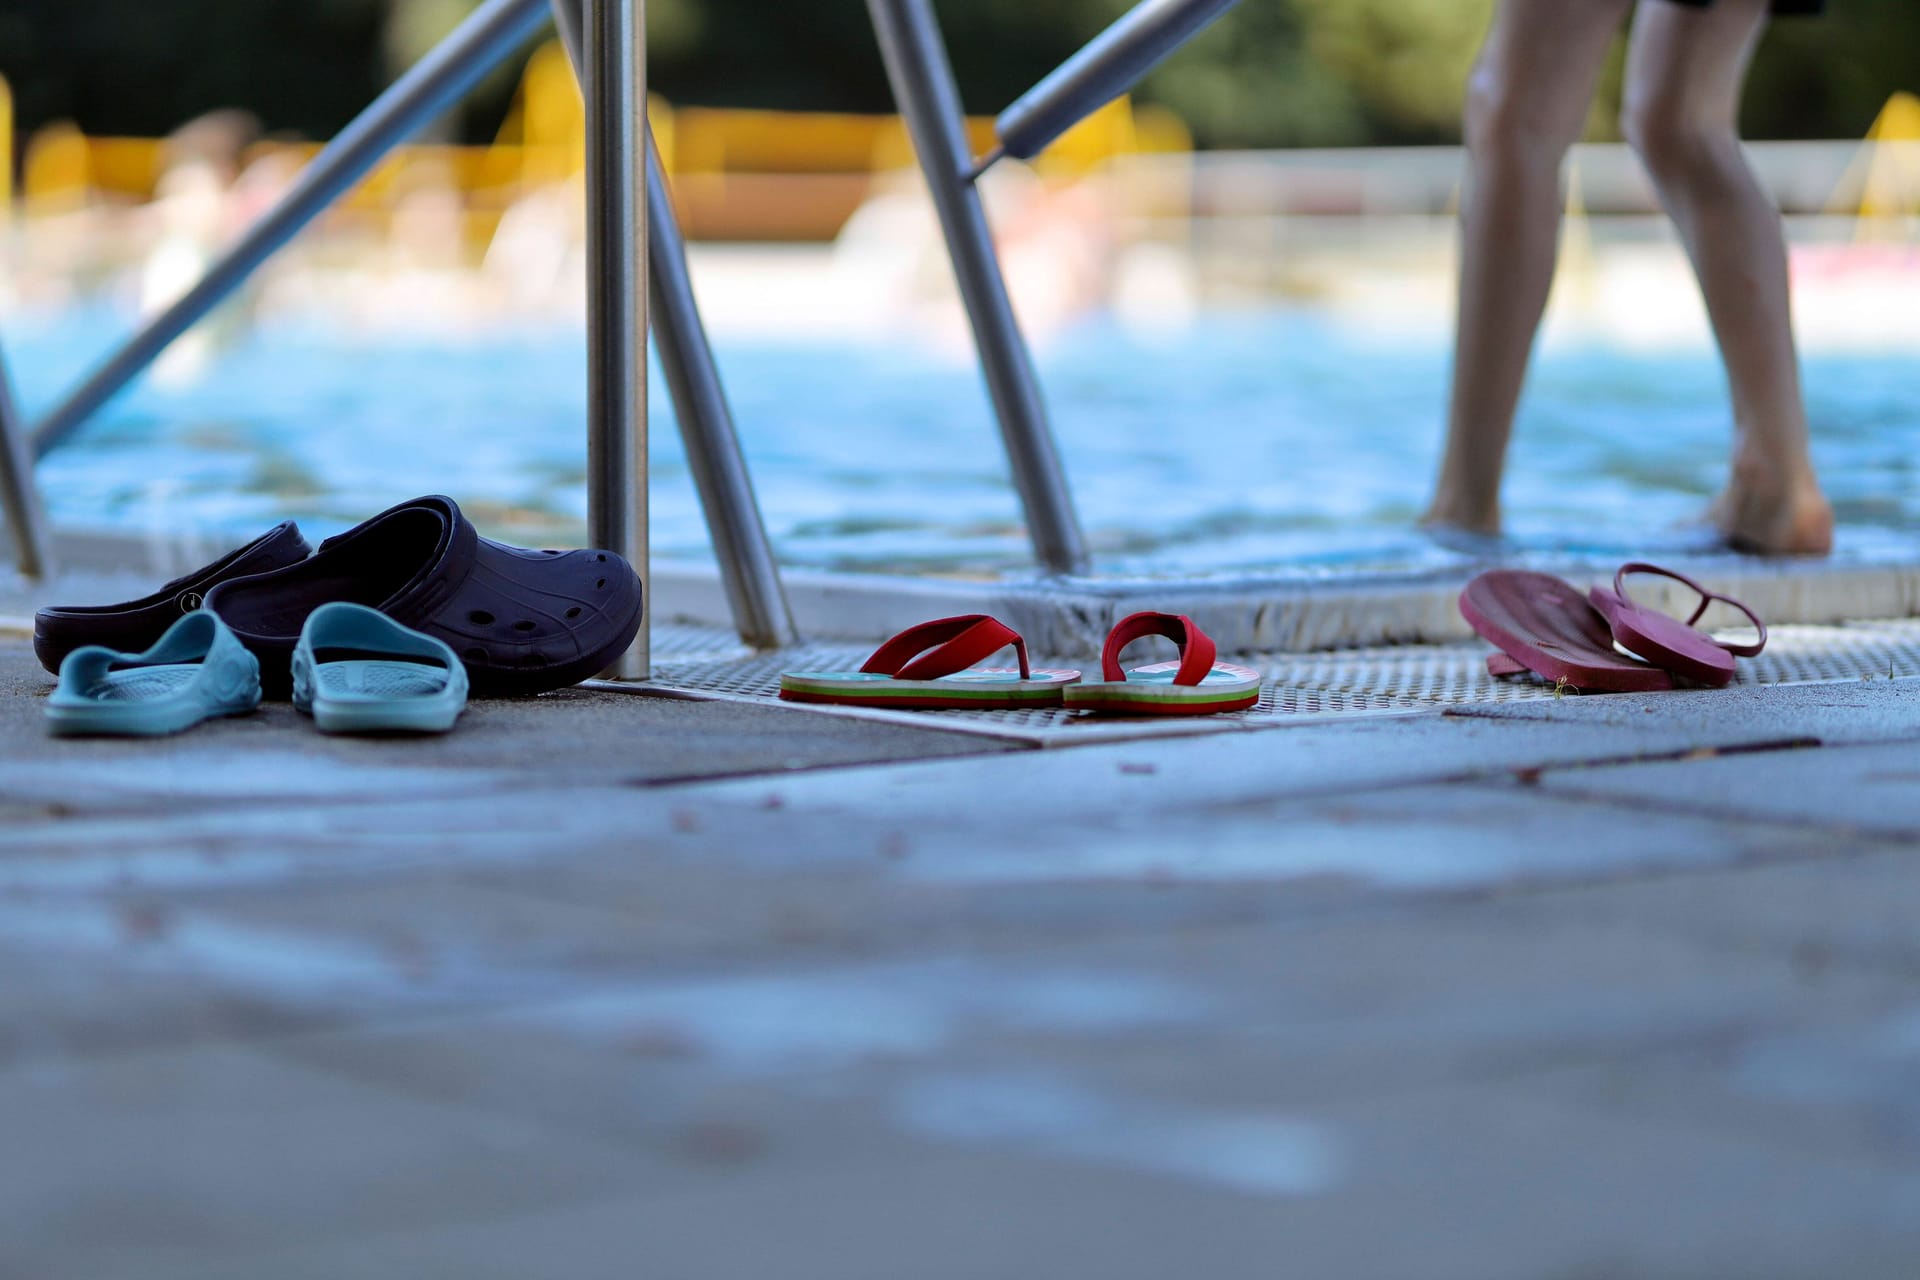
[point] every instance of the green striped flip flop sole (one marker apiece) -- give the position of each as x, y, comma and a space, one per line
1151, 691
978, 689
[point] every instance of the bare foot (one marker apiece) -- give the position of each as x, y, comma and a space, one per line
1448, 515
1770, 519
1478, 537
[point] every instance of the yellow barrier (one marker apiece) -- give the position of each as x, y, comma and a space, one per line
547, 123
737, 174
1881, 187
547, 113
58, 173
1892, 188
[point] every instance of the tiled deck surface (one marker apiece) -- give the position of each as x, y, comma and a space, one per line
607, 985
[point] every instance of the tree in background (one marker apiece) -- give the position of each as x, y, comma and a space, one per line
1271, 73
1830, 78
1405, 61
146, 66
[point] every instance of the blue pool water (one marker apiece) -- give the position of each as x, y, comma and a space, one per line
1254, 440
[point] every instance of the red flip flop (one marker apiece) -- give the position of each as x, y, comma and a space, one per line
1543, 625
930, 667
1196, 685
1666, 641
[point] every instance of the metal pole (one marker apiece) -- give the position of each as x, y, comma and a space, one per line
1110, 64
924, 88
616, 96
26, 518
748, 569
495, 32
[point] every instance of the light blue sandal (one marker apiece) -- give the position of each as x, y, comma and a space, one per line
196, 671
355, 670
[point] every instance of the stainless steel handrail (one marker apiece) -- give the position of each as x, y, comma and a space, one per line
1110, 64
616, 97
19, 495
493, 34
487, 38
631, 226
924, 89
616, 499
749, 571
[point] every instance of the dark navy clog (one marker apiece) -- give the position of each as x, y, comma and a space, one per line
138, 624
522, 622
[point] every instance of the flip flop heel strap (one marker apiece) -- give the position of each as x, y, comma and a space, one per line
1707, 599
1197, 649
1740, 650
1641, 566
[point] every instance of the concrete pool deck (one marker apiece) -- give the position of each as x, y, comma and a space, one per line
606, 985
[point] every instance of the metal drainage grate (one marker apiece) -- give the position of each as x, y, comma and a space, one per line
1455, 674
1357, 682
1413, 675
675, 643
1825, 655
758, 677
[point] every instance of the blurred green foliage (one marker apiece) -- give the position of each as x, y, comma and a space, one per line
1272, 73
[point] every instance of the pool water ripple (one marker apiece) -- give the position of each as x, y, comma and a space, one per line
1275, 438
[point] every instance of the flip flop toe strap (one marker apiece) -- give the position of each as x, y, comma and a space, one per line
1707, 598
1196, 647
944, 647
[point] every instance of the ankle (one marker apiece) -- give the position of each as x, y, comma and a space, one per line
1451, 511
1773, 471
1771, 514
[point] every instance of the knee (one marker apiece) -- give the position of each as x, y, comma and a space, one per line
1673, 141
1501, 127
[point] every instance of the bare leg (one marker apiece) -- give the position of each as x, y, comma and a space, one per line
1685, 71
1526, 103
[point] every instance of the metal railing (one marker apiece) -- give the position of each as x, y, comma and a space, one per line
748, 569
628, 232
19, 495
636, 254
929, 100
613, 79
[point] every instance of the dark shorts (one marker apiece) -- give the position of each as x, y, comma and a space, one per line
1779, 6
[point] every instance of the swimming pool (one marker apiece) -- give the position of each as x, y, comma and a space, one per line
1270, 438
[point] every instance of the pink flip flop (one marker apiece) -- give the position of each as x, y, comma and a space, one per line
1666, 641
1543, 625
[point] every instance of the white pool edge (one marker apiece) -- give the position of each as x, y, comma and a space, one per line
1276, 614
1248, 614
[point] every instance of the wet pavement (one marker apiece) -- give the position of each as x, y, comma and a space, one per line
609, 985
